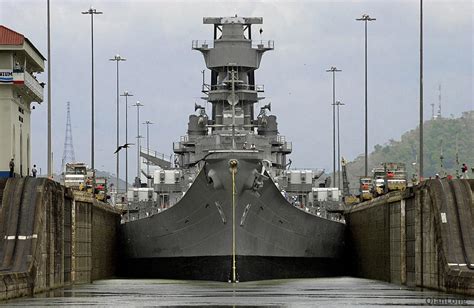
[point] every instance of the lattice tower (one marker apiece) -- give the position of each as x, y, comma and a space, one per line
68, 154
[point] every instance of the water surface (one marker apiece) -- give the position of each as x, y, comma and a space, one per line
319, 292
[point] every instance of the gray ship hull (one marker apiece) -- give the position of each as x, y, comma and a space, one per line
194, 238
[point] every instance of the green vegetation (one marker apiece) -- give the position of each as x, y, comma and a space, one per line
442, 136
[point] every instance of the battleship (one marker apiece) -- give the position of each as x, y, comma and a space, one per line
231, 209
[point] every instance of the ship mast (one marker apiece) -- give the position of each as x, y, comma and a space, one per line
232, 60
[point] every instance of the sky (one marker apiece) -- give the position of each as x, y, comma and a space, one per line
164, 73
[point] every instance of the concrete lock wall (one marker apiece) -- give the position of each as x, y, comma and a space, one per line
95, 254
50, 237
421, 237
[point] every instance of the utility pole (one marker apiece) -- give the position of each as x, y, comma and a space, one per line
148, 123
117, 59
333, 70
92, 12
365, 18
138, 105
126, 94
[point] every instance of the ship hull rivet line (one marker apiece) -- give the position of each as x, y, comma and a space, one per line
233, 168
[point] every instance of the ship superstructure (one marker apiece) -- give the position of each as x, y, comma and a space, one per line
230, 209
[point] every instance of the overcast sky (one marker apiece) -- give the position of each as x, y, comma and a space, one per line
310, 36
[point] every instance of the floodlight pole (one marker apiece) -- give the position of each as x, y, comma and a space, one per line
50, 157
421, 93
148, 123
126, 94
366, 18
138, 105
117, 59
92, 12
333, 70
338, 104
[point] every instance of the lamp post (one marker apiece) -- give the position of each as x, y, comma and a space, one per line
138, 105
126, 94
365, 18
117, 59
338, 104
50, 157
333, 70
148, 123
92, 12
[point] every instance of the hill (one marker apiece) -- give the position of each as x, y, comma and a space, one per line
442, 136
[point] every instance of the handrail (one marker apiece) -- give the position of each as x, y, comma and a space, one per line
30, 82
260, 44
255, 44
238, 87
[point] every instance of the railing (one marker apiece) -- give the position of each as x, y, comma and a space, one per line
255, 44
25, 78
281, 138
312, 169
249, 87
155, 153
207, 44
270, 44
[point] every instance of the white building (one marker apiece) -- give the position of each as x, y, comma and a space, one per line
19, 61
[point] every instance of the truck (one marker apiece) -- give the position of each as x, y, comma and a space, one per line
389, 176
365, 188
75, 175
101, 188
79, 177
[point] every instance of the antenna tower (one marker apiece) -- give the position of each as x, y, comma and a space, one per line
68, 154
439, 101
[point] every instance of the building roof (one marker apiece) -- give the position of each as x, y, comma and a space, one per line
10, 37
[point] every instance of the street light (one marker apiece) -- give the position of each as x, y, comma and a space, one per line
92, 12
338, 103
365, 18
333, 70
126, 94
137, 179
148, 123
118, 58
